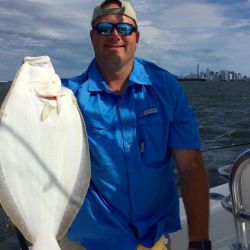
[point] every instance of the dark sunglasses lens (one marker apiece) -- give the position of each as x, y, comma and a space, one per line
104, 28
125, 29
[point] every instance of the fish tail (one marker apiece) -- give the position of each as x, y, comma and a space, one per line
46, 245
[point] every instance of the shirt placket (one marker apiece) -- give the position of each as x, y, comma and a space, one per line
128, 128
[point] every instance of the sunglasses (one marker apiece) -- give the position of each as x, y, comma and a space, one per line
123, 29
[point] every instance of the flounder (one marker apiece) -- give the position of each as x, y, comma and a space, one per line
44, 154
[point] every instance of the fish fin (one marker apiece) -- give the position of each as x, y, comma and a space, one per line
74, 100
58, 104
46, 111
2, 114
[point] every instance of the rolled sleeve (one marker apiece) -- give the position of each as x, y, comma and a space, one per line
184, 130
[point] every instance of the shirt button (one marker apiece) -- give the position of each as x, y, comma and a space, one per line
125, 122
128, 147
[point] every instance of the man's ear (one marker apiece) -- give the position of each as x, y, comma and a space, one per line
137, 38
91, 33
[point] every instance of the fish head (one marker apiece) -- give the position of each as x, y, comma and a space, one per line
41, 76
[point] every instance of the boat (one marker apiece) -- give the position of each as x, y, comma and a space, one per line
222, 223
226, 231
222, 229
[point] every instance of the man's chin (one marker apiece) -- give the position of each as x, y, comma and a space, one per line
114, 57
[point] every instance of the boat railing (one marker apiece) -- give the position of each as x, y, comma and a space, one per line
238, 202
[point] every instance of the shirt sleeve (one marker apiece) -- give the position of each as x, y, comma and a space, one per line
68, 83
184, 130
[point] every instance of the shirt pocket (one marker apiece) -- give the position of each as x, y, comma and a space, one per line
153, 130
97, 128
100, 138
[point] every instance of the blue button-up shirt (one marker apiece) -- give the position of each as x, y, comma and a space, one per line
132, 198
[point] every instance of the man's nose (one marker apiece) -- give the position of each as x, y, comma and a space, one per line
115, 34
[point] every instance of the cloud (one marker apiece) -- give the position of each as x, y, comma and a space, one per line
55, 28
193, 16
177, 34
241, 23
179, 37
196, 32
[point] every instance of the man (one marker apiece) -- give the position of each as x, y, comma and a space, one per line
138, 120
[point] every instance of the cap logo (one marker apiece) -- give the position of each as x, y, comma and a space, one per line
106, 11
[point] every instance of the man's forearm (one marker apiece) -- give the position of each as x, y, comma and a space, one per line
194, 187
196, 202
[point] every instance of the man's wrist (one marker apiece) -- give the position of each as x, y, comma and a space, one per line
202, 244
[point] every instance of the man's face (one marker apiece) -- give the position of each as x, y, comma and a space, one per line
114, 48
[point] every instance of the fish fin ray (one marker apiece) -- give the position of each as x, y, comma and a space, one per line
46, 111
58, 104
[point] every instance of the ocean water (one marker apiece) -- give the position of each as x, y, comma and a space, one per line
223, 112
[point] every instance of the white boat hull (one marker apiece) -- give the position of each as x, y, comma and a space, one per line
221, 223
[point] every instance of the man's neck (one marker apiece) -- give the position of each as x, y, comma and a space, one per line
116, 76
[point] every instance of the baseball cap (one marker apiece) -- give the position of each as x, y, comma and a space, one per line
125, 9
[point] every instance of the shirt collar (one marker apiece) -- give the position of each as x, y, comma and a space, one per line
138, 75
95, 79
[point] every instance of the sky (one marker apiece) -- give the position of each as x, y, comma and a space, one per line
175, 34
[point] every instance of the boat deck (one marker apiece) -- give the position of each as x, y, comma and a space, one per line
222, 230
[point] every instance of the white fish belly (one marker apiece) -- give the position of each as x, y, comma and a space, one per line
44, 163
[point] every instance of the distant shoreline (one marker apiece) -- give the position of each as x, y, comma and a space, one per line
207, 80
191, 79
5, 82
179, 79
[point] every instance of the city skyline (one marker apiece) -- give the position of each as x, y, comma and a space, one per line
210, 74
175, 34
201, 73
